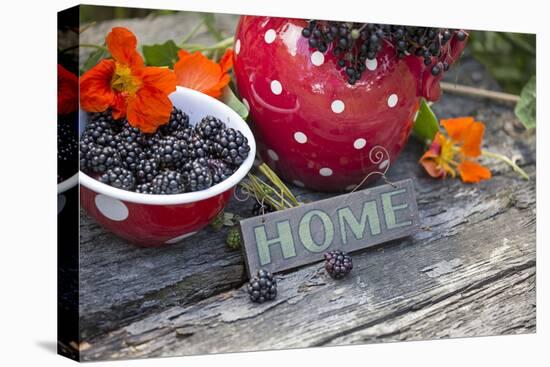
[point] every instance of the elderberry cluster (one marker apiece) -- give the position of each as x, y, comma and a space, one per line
177, 158
355, 43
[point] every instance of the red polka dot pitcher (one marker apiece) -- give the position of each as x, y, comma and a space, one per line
314, 128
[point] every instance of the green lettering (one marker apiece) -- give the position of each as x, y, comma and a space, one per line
347, 219
390, 209
304, 231
284, 239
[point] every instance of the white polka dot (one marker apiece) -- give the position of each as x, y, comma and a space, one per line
111, 208
317, 58
350, 187
300, 137
371, 64
270, 36
276, 87
359, 143
325, 171
245, 102
337, 106
392, 100
415, 115
298, 183
179, 238
384, 164
237, 47
61, 201
273, 155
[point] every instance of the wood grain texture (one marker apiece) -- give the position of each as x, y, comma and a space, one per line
470, 271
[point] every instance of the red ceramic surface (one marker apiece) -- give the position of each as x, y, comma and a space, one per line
312, 127
156, 220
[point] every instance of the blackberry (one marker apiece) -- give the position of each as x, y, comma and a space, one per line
197, 175
130, 134
101, 130
120, 178
353, 43
231, 146
131, 154
200, 147
170, 152
178, 121
167, 183
209, 127
97, 159
260, 209
233, 239
146, 170
145, 188
220, 170
262, 287
338, 263
67, 150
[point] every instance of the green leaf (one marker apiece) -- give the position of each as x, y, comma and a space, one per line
526, 108
230, 99
426, 124
94, 58
165, 54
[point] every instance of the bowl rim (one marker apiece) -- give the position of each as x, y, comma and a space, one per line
67, 184
188, 197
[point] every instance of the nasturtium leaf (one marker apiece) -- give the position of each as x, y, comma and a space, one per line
426, 124
94, 58
230, 99
526, 108
165, 54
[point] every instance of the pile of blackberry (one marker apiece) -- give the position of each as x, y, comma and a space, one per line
354, 43
177, 158
67, 150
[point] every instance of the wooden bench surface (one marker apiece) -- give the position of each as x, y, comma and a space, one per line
470, 270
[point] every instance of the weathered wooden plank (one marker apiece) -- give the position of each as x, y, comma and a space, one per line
464, 269
469, 272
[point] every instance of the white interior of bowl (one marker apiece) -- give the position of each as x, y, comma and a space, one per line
197, 105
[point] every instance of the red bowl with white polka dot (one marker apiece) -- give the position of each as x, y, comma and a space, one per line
312, 127
156, 220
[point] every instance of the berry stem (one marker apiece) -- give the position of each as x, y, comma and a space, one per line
508, 161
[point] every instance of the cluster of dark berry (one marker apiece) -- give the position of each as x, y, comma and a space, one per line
354, 43
338, 263
67, 150
176, 158
262, 287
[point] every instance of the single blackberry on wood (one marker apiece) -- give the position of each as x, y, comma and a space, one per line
170, 152
231, 146
260, 209
233, 239
98, 159
338, 263
120, 178
209, 127
220, 170
178, 121
262, 287
197, 175
168, 183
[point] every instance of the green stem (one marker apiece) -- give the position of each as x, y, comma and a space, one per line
508, 161
220, 45
192, 33
85, 45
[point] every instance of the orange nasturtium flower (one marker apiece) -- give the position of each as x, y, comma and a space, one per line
67, 91
125, 84
457, 151
198, 72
